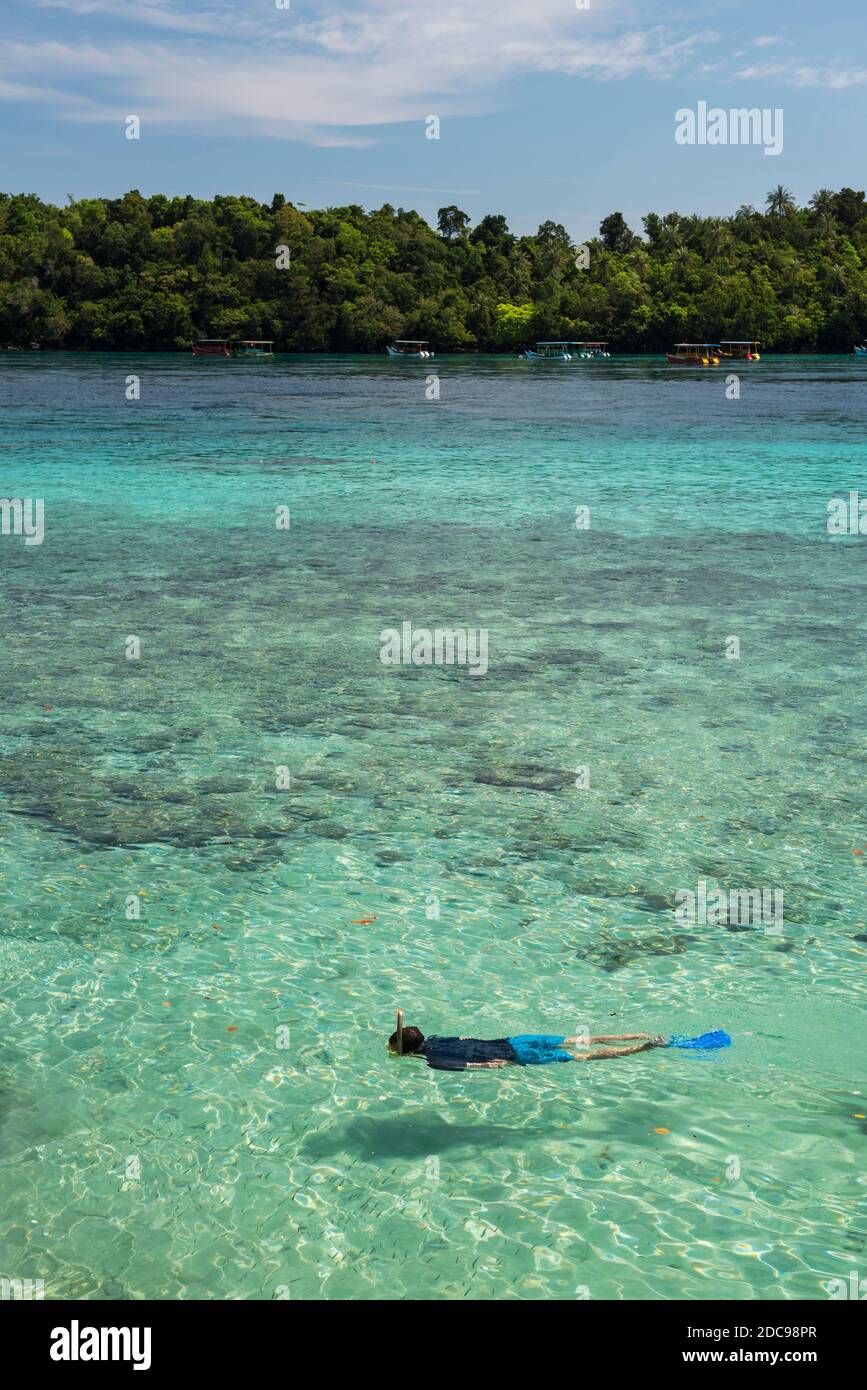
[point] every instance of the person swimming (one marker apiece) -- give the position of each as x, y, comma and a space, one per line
524, 1050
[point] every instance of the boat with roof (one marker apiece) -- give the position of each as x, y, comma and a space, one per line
694, 355
234, 347
213, 347
253, 347
741, 349
567, 350
409, 347
553, 350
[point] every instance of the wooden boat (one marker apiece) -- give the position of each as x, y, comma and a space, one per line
409, 347
694, 355
594, 348
213, 347
741, 349
254, 347
861, 350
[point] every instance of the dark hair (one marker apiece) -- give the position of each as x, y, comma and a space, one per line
413, 1041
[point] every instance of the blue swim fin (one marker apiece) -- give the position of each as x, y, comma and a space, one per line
707, 1040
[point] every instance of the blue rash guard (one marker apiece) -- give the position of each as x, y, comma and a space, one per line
527, 1049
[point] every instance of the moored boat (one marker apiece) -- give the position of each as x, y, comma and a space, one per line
860, 350
557, 350
213, 347
253, 347
741, 349
568, 350
694, 355
409, 347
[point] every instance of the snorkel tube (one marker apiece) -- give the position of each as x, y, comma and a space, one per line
400, 1032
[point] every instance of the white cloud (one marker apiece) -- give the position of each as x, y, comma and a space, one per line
315, 74
22, 91
833, 76
155, 14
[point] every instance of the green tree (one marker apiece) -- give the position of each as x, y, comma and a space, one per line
849, 207
780, 202
452, 222
615, 234
512, 324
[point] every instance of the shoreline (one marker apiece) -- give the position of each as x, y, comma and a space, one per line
381, 353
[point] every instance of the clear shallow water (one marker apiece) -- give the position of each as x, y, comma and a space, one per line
148, 1151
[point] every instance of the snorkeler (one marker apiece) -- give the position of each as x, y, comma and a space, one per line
528, 1049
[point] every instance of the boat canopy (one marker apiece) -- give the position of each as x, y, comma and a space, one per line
412, 342
255, 342
696, 345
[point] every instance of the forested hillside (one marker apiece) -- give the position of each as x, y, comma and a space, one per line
157, 272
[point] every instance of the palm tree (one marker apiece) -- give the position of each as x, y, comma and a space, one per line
671, 231
692, 227
780, 202
824, 206
746, 223
717, 237
823, 202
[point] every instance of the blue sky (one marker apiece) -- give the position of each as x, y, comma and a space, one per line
545, 110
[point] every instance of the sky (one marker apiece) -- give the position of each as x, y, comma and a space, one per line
545, 110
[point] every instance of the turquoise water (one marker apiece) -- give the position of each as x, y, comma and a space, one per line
158, 1138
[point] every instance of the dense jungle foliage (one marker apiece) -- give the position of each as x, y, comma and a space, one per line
156, 273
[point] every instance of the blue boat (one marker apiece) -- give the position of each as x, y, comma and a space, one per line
253, 347
567, 350
550, 352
